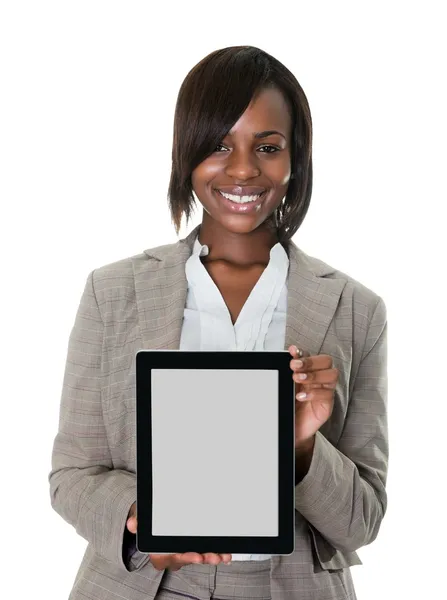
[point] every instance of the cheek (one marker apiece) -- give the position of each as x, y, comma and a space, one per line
280, 171
204, 173
285, 180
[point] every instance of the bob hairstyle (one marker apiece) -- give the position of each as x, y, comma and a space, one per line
212, 98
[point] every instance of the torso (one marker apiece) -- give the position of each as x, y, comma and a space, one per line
234, 283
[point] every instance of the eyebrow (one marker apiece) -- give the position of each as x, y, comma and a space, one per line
263, 134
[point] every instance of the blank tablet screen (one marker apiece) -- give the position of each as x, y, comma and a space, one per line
202, 484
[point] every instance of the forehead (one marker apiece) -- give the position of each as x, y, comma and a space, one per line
269, 110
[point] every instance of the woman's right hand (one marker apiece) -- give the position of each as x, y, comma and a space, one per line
174, 562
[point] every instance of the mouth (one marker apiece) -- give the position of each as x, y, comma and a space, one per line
241, 199
241, 203
241, 194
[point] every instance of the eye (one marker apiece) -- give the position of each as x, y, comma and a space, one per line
219, 146
272, 149
266, 149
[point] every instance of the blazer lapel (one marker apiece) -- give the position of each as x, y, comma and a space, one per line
311, 301
161, 288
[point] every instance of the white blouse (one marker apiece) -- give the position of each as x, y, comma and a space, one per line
261, 324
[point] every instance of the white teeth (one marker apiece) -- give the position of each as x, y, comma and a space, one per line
240, 199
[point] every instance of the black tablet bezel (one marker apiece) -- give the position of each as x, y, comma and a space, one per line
284, 543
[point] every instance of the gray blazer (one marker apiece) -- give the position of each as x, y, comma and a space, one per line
137, 303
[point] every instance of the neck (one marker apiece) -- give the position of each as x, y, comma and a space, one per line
240, 249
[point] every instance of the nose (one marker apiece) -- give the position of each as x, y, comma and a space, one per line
242, 166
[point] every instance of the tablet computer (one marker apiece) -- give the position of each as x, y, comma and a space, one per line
215, 452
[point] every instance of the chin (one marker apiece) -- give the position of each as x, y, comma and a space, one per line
241, 224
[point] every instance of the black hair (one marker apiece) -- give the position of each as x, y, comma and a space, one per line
212, 97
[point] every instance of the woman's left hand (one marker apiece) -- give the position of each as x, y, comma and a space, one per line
316, 408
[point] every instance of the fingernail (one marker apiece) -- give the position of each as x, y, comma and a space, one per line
302, 396
297, 363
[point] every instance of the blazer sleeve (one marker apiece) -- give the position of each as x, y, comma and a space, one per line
85, 489
343, 494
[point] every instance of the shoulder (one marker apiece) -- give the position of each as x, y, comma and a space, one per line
118, 275
358, 314
363, 301
115, 274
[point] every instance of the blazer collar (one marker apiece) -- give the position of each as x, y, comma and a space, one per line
161, 288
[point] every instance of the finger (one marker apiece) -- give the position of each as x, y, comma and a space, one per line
324, 376
312, 363
189, 557
297, 352
163, 561
317, 395
316, 386
226, 558
132, 524
211, 558
176, 561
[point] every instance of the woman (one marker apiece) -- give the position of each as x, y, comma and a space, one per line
242, 144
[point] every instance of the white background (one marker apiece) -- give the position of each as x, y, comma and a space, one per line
88, 91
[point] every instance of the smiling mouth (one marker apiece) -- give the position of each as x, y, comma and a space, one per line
237, 199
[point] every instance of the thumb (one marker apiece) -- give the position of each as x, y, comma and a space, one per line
132, 524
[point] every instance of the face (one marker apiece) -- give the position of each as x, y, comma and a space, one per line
242, 183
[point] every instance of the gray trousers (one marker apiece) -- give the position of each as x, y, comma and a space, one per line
244, 580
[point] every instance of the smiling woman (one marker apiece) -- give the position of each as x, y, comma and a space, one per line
243, 148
